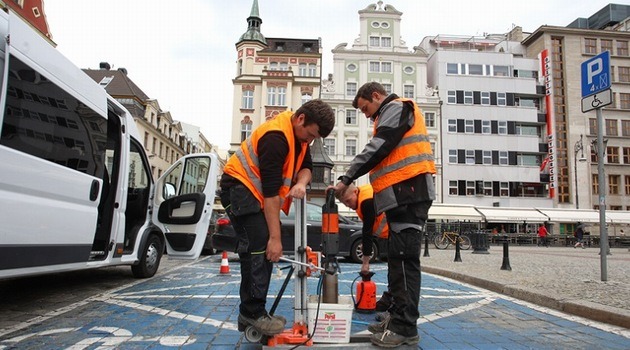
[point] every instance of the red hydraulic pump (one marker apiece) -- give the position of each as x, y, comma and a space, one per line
366, 293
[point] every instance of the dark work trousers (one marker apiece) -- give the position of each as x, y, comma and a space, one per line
255, 268
403, 263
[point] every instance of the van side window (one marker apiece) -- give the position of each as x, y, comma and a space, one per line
45, 121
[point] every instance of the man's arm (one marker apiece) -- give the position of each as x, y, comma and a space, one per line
272, 216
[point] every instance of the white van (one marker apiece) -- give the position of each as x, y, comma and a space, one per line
76, 190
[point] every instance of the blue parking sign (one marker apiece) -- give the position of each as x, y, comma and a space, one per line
596, 74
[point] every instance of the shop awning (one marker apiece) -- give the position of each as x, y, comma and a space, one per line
617, 216
518, 215
440, 211
571, 215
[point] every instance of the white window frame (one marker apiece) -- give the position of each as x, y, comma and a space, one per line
329, 146
487, 188
351, 117
306, 97
503, 127
409, 91
470, 188
469, 126
486, 127
503, 158
351, 89
452, 156
501, 99
504, 189
485, 98
487, 157
387, 87
450, 66
470, 156
451, 97
468, 97
453, 188
247, 101
452, 125
350, 145
429, 119
312, 70
302, 69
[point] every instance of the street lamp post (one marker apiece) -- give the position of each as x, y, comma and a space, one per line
579, 147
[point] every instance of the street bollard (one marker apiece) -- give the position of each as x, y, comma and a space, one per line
426, 244
506, 254
458, 256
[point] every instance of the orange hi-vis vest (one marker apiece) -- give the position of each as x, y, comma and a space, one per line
411, 157
380, 228
244, 165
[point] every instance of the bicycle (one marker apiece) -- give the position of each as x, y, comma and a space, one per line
445, 239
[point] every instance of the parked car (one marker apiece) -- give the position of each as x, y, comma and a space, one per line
212, 228
350, 243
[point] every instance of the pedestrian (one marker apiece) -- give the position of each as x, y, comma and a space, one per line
361, 199
579, 236
542, 236
401, 166
271, 167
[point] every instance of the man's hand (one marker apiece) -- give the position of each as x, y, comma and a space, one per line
365, 267
298, 191
274, 249
338, 187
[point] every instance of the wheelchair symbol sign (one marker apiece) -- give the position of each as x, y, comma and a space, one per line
598, 100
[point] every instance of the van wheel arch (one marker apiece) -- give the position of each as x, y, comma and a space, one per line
150, 254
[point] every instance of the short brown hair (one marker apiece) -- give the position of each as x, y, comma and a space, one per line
319, 112
366, 90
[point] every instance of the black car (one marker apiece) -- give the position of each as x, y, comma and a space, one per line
350, 244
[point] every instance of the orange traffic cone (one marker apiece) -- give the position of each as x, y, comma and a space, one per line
225, 268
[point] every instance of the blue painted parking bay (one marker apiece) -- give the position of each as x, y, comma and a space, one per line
195, 307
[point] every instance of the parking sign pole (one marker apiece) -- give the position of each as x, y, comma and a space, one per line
601, 180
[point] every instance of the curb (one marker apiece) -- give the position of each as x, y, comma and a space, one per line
589, 310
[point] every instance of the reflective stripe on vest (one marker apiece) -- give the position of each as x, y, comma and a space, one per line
244, 165
411, 157
380, 228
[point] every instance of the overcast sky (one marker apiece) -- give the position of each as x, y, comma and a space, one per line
184, 56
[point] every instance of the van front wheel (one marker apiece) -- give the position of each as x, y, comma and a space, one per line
149, 259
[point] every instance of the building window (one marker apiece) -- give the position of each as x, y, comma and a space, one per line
248, 99
606, 45
452, 188
375, 41
386, 67
470, 156
475, 69
622, 48
351, 89
451, 97
612, 155
312, 70
625, 128
611, 127
273, 66
627, 184
408, 70
590, 46
380, 67
351, 117
624, 74
351, 67
503, 158
502, 127
626, 155
487, 157
386, 42
351, 147
408, 91
388, 88
470, 188
451, 68
613, 184
624, 101
487, 188
452, 125
429, 119
468, 97
504, 189
469, 126
595, 181
246, 129
486, 127
302, 69
501, 99
329, 146
501, 71
452, 156
485, 98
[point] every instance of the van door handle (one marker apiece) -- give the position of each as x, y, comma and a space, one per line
94, 190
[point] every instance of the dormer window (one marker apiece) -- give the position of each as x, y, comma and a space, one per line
279, 46
308, 47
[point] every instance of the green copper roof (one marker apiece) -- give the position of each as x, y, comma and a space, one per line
253, 27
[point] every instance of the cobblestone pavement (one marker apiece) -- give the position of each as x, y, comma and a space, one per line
192, 306
562, 278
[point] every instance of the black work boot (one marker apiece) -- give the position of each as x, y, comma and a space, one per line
267, 325
381, 326
384, 302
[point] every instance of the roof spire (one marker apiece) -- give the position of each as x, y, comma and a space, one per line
253, 26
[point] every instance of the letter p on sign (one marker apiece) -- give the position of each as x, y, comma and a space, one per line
593, 68
596, 74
